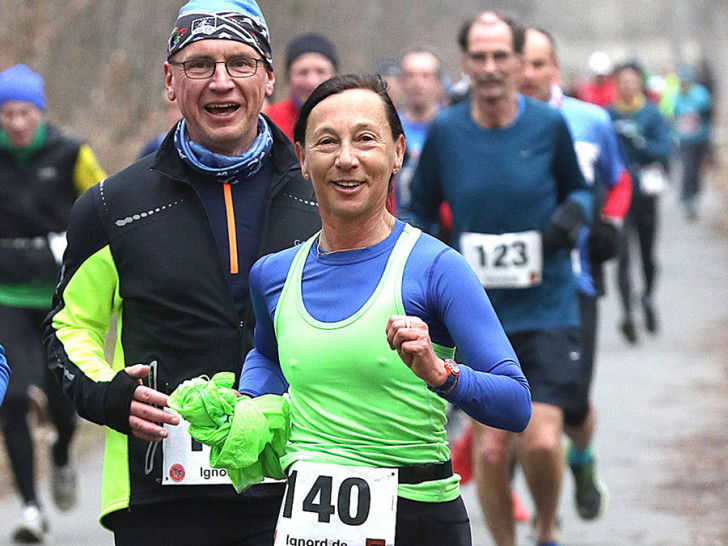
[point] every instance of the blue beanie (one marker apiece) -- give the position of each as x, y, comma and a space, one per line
239, 20
21, 83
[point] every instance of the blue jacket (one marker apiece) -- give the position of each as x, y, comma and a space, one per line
645, 137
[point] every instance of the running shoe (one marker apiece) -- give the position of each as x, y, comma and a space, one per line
629, 331
591, 496
33, 526
64, 487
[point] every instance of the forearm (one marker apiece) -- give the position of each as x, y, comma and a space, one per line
500, 399
75, 331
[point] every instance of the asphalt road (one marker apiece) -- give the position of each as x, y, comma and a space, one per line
663, 413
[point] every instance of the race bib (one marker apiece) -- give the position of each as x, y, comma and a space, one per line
653, 179
509, 260
185, 461
336, 505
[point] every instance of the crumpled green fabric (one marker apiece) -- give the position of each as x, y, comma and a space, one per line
247, 436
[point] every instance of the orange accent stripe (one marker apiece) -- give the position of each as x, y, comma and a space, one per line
232, 236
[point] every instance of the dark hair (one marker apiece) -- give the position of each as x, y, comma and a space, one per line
339, 84
636, 67
517, 32
630, 65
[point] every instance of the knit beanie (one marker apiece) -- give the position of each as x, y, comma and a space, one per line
21, 83
239, 20
311, 43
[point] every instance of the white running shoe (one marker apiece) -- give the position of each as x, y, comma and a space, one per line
33, 526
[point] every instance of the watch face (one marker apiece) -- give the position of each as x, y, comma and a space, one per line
452, 366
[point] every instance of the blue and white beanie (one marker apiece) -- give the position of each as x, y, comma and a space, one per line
21, 83
239, 20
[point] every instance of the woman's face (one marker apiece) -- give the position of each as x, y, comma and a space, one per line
350, 154
629, 84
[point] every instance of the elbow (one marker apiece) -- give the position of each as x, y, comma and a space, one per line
523, 414
522, 419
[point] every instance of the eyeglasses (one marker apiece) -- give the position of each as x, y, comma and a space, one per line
203, 68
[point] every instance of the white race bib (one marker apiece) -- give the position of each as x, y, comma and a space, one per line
653, 179
185, 461
509, 260
336, 505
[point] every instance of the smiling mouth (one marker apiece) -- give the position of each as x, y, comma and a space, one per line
347, 183
222, 109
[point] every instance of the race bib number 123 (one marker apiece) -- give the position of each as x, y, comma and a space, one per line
507, 260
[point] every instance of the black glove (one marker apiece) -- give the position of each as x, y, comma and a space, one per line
563, 228
603, 241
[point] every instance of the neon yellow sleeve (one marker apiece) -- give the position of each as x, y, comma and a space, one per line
87, 171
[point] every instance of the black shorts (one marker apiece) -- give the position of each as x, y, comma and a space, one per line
221, 524
550, 360
432, 523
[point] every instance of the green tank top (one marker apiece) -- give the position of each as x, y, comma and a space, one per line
353, 401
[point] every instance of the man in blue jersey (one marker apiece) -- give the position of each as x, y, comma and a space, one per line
601, 162
422, 93
506, 165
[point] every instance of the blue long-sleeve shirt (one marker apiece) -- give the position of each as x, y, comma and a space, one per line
601, 162
438, 286
507, 180
692, 114
649, 141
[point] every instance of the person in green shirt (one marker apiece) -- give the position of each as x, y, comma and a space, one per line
42, 172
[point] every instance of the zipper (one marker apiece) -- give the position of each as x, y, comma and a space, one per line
232, 235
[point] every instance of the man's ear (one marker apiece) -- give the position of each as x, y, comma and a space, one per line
301, 155
168, 77
270, 83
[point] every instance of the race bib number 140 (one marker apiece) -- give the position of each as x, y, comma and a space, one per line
507, 260
336, 505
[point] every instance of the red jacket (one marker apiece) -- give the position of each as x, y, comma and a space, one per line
284, 114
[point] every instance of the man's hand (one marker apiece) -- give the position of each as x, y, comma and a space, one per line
145, 419
562, 230
410, 337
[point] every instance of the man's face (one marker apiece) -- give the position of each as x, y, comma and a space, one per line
221, 111
420, 80
307, 72
490, 61
20, 119
540, 68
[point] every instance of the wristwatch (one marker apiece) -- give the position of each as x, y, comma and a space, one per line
453, 371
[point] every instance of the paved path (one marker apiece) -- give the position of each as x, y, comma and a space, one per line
660, 401
657, 400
